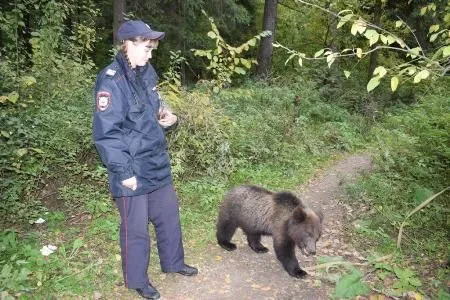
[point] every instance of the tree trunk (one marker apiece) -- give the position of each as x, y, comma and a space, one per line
265, 47
374, 55
119, 10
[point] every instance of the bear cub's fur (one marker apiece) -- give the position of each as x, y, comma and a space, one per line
282, 215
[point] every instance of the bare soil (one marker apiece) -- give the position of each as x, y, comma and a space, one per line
244, 274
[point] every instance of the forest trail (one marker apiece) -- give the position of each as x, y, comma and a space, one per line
244, 274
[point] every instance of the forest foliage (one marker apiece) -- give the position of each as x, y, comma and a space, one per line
313, 107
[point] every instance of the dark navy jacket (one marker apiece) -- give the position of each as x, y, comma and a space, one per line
126, 131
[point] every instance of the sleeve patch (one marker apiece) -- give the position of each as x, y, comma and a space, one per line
103, 100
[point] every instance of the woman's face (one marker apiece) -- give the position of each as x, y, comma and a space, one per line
140, 52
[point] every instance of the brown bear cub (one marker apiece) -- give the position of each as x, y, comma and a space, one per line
282, 215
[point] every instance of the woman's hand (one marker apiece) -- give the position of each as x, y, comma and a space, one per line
130, 183
167, 118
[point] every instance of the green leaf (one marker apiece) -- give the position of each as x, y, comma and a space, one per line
347, 74
421, 194
21, 152
350, 286
373, 83
246, 63
319, 53
344, 20
28, 80
4, 134
398, 24
77, 244
433, 37
394, 83
37, 150
13, 97
239, 70
252, 42
446, 51
300, 61
212, 34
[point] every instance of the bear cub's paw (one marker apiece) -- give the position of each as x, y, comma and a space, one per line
298, 273
259, 248
227, 246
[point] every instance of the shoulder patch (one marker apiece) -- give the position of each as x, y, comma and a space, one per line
110, 72
103, 100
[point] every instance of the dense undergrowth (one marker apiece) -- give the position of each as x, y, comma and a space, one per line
258, 133
275, 134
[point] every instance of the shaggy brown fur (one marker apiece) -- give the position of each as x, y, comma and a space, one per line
282, 215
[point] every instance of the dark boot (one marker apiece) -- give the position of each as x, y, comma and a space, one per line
148, 292
188, 271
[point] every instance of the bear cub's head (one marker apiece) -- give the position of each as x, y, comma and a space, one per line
305, 228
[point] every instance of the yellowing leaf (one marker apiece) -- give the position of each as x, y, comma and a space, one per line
347, 74
373, 39
401, 43
390, 39
300, 61
358, 26
414, 52
433, 37
394, 83
319, 53
373, 83
398, 24
330, 59
359, 52
380, 71
423, 10
421, 75
433, 28
383, 39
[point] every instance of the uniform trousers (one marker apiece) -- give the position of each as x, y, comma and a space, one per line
161, 208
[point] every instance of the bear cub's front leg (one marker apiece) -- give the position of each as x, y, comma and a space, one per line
285, 252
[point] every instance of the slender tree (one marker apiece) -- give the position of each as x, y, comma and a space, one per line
265, 46
119, 10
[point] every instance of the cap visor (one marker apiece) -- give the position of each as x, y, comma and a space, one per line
156, 35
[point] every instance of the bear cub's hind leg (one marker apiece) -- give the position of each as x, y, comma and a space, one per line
254, 241
225, 231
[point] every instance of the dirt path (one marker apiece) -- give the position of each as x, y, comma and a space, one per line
244, 274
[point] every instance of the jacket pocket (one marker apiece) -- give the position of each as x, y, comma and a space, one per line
136, 112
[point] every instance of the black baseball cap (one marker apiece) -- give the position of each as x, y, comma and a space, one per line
135, 28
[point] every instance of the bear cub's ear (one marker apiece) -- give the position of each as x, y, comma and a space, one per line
299, 214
